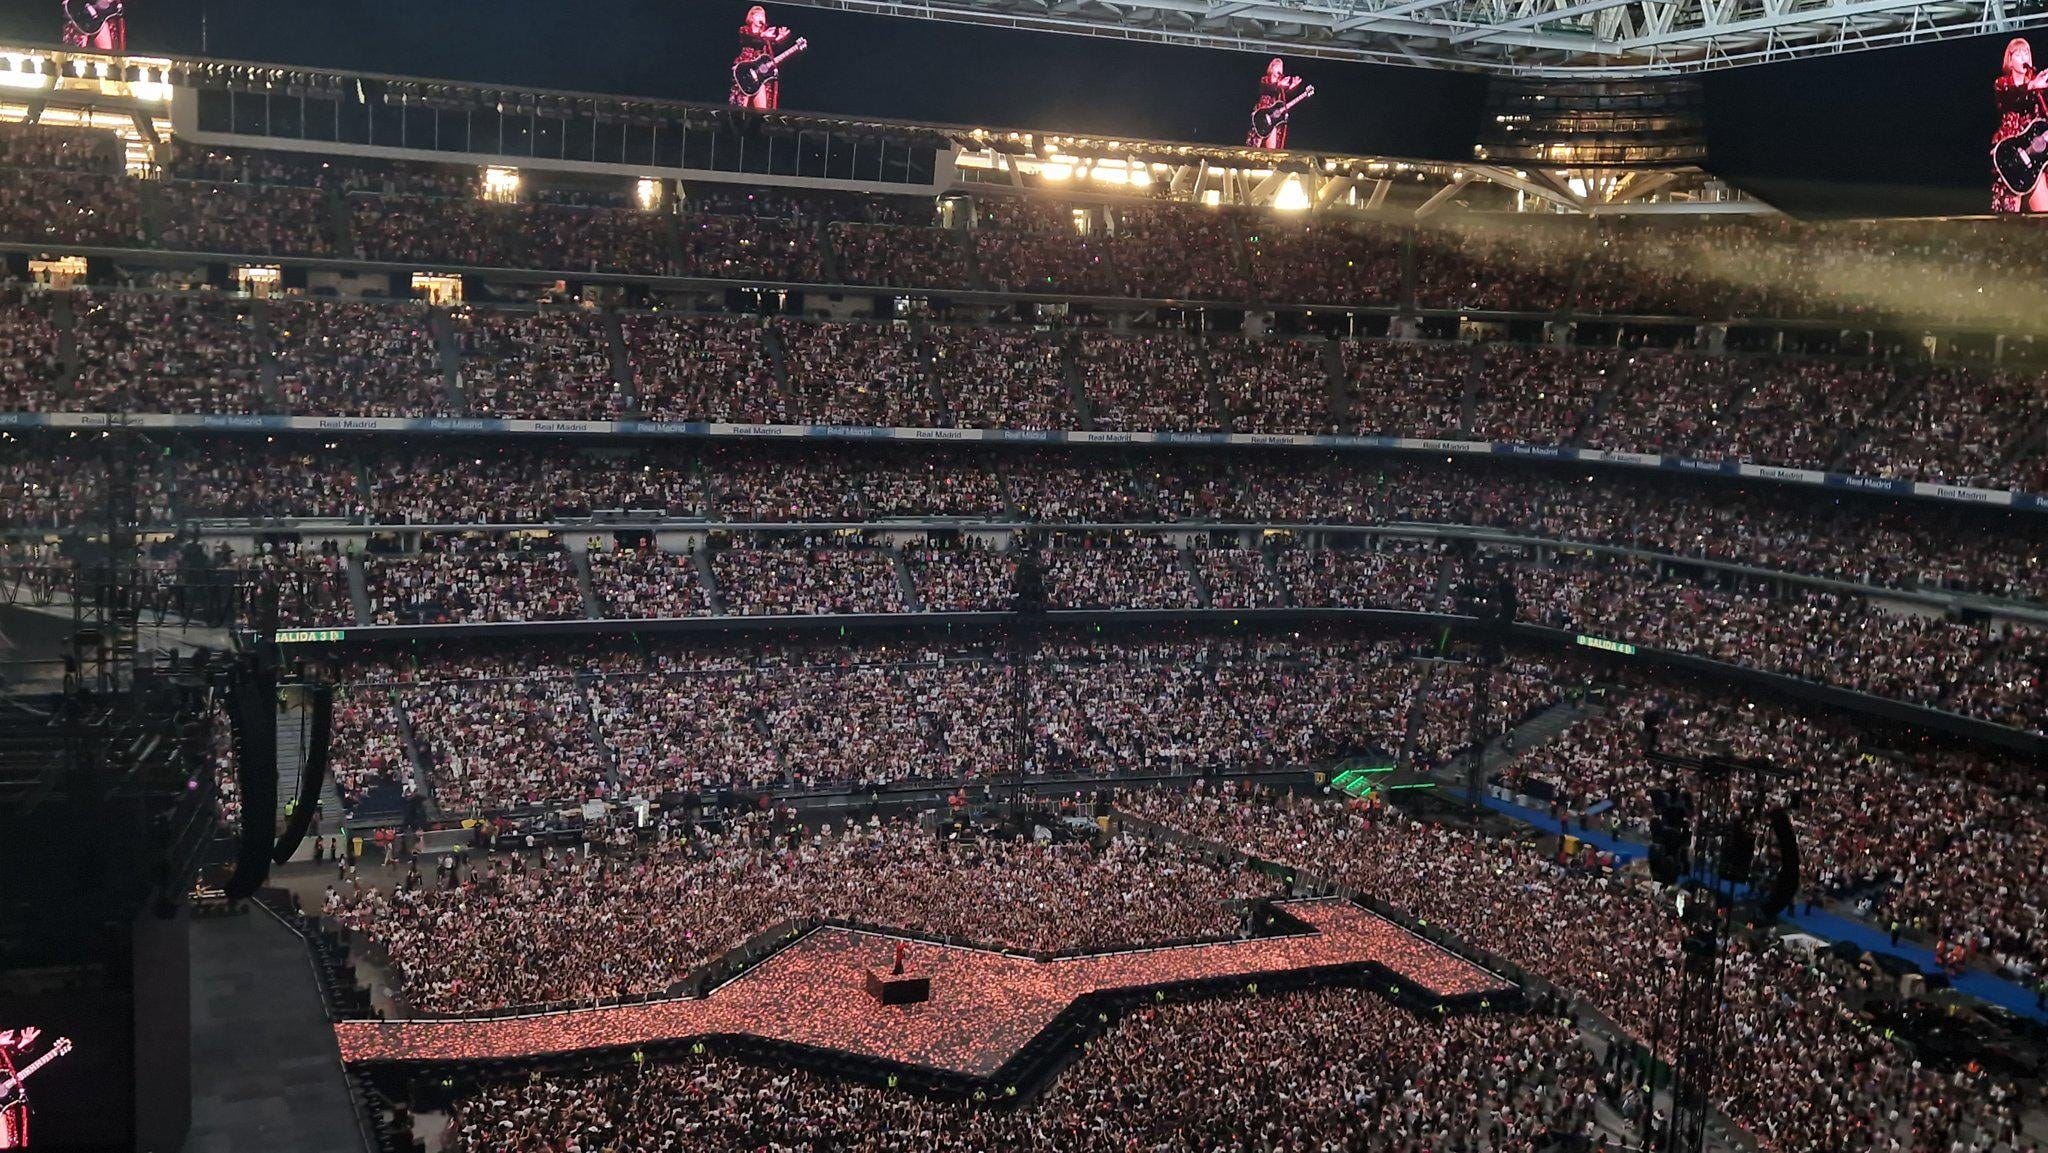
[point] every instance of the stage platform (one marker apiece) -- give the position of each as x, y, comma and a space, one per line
265, 1073
986, 1006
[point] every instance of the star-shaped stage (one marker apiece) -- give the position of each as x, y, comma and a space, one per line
985, 1005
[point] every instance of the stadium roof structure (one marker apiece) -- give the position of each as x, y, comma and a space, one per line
1536, 38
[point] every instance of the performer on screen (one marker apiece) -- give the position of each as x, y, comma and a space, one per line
2017, 185
1276, 90
14, 1098
97, 24
756, 71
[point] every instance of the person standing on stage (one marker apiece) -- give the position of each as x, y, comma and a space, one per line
2018, 93
758, 41
1275, 88
96, 24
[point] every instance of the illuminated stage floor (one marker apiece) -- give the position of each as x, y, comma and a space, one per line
985, 1005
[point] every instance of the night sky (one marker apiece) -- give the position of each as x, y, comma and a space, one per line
1902, 130
857, 65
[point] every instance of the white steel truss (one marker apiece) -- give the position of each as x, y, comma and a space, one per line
1545, 38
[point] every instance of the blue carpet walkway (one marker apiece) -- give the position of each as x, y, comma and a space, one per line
1626, 850
1974, 982
1830, 926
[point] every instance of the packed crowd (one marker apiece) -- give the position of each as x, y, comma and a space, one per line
775, 484
898, 256
259, 220
647, 582
474, 579
366, 357
1949, 843
1150, 381
698, 730
999, 379
501, 742
1609, 941
1938, 840
858, 374
1281, 386
60, 149
1027, 245
1406, 389
702, 368
537, 364
30, 360
880, 718
59, 185
1539, 395
1094, 487
968, 579
367, 746
1498, 267
71, 207
515, 484
470, 233
768, 202
1799, 1019
1238, 578
570, 926
1522, 686
1279, 1072
358, 359
1036, 244
749, 248
758, 716
1124, 570
1399, 574
221, 767
1955, 428
310, 585
1323, 263
144, 352
47, 491
1176, 252
776, 577
1987, 670
1840, 637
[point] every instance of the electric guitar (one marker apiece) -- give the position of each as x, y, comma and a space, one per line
1265, 120
2019, 159
89, 16
754, 74
14, 1113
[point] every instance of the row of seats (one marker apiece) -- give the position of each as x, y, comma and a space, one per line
151, 352
1886, 543
1984, 669
519, 726
66, 191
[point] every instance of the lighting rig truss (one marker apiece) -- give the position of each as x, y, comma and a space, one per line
1617, 38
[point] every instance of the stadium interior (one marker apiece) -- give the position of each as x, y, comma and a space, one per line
535, 621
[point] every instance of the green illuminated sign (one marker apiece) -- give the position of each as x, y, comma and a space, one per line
1359, 782
1622, 647
302, 636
